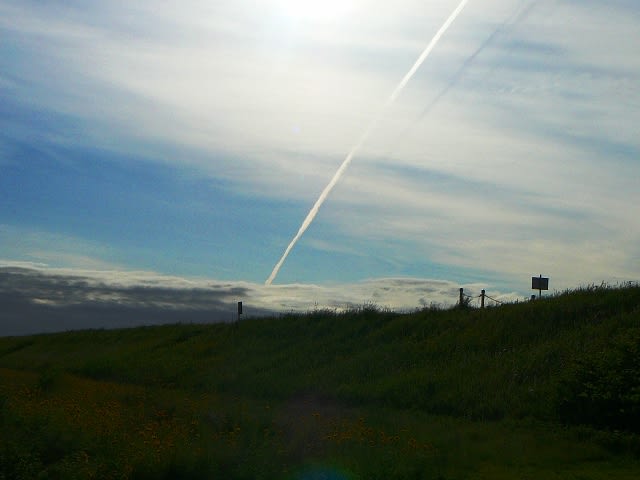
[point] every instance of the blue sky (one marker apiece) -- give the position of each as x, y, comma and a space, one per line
186, 141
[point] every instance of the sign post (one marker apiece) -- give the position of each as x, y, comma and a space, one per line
539, 283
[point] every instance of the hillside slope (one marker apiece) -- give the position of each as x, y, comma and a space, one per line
534, 390
572, 357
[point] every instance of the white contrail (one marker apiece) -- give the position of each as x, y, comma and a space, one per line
325, 193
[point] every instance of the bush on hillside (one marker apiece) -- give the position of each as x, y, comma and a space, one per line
603, 389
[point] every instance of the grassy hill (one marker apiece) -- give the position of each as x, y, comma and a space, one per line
545, 389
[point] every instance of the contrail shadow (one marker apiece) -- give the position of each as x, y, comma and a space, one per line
518, 16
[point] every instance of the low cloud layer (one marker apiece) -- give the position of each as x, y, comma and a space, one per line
36, 299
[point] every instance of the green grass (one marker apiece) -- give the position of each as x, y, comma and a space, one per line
545, 389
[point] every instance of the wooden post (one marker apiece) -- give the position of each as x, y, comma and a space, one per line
482, 299
461, 295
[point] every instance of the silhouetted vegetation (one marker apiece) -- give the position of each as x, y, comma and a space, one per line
545, 389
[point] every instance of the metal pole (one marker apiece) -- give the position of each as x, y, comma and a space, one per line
540, 285
461, 295
482, 299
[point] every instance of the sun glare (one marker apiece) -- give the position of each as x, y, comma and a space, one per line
315, 10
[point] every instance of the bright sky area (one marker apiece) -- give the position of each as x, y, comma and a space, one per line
183, 143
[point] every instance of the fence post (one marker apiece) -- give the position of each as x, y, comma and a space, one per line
482, 299
461, 303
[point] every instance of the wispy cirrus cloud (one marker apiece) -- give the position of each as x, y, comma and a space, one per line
527, 164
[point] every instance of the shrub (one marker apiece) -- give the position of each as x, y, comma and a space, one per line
603, 389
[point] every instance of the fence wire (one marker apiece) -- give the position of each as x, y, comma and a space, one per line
471, 297
491, 298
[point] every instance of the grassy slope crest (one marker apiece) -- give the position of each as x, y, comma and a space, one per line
573, 358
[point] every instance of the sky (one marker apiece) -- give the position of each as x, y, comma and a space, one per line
180, 144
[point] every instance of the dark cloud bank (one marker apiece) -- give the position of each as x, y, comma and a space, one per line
36, 302
39, 299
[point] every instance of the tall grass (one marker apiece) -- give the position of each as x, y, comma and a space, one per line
270, 398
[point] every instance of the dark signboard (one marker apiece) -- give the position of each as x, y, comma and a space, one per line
539, 283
